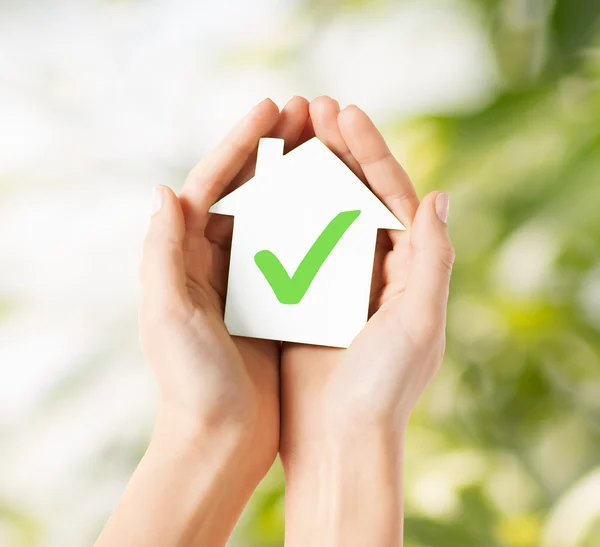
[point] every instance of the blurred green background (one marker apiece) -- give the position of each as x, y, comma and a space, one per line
495, 101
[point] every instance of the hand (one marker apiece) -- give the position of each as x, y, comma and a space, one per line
217, 430
352, 405
208, 379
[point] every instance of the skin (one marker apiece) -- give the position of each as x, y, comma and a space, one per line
217, 430
342, 413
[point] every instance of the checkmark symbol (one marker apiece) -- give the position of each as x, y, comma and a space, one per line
291, 290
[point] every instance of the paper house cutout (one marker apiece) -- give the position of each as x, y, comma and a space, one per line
303, 245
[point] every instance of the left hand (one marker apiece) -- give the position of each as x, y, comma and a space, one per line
375, 383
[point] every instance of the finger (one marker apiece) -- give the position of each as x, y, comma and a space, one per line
210, 177
385, 176
292, 122
307, 133
431, 265
324, 115
162, 271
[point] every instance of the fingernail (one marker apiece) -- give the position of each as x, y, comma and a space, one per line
442, 203
157, 199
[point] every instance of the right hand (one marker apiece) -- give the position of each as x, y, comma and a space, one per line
208, 379
376, 381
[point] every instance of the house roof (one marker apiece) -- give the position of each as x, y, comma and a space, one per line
311, 175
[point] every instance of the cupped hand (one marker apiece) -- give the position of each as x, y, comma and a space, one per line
207, 379
376, 381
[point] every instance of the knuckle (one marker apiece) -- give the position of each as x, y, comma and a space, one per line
426, 330
157, 238
240, 145
404, 195
149, 244
161, 309
196, 172
447, 257
165, 245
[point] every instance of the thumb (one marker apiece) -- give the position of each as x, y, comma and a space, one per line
162, 271
433, 256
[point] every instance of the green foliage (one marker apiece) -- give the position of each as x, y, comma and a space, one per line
25, 530
508, 432
520, 390
6, 308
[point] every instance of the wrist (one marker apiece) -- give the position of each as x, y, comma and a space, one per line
193, 482
349, 486
345, 448
303, 438
195, 440
229, 444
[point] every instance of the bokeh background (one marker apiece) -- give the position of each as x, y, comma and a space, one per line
495, 101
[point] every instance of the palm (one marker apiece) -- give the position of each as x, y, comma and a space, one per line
245, 372
389, 270
392, 260
244, 366
314, 374
208, 237
391, 264
209, 276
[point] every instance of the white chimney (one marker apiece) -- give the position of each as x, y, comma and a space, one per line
269, 150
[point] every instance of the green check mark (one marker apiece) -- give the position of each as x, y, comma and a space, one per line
291, 290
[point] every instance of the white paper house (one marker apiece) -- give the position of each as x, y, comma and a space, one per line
283, 210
